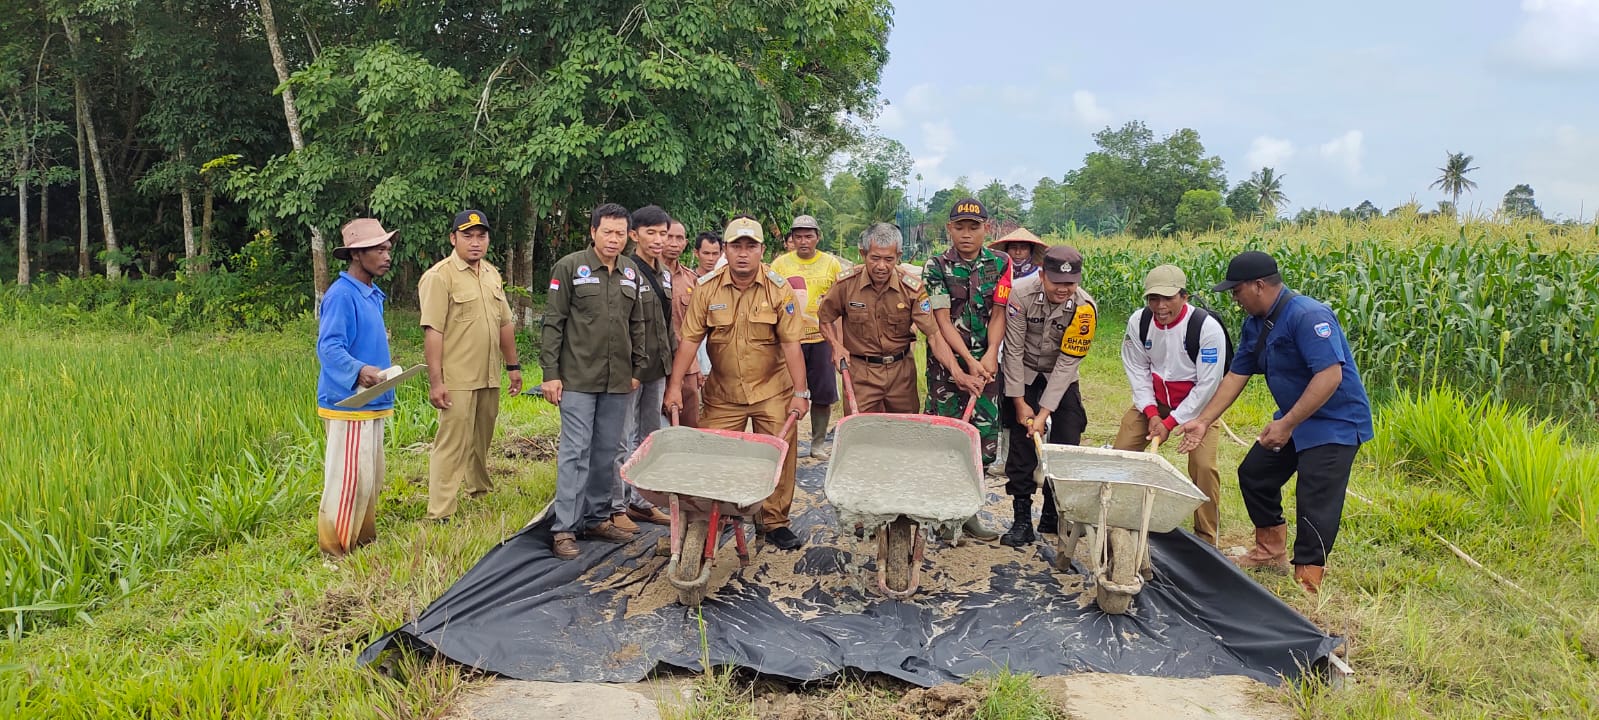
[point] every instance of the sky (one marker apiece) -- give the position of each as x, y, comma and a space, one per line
1349, 101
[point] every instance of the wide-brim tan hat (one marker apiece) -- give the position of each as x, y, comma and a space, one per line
360, 234
1020, 234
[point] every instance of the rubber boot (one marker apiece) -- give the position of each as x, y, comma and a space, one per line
1021, 528
976, 530
820, 415
1270, 551
1309, 577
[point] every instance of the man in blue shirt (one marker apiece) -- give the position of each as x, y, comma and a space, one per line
353, 349
1322, 416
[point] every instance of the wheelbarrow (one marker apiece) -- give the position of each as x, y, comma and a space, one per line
706, 477
1114, 499
901, 476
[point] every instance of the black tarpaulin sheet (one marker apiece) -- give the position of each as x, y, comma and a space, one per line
610, 615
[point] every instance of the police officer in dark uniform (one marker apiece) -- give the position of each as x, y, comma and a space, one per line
1322, 416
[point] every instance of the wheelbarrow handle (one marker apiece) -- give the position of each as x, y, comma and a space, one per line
788, 425
849, 388
674, 417
971, 406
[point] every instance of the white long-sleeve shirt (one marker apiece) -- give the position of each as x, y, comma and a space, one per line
1161, 373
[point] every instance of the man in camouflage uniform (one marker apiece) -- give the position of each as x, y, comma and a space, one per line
968, 288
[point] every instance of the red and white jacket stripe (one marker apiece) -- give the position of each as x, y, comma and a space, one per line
1163, 373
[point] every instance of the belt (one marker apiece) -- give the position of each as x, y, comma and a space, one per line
881, 359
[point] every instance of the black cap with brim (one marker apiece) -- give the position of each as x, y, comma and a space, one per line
1247, 266
968, 209
469, 219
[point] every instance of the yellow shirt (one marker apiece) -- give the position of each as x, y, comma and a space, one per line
469, 308
819, 274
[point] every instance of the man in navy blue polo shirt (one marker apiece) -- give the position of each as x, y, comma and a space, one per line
1322, 416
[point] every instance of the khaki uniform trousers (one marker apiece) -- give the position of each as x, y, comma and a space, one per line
768, 417
461, 449
887, 388
1201, 467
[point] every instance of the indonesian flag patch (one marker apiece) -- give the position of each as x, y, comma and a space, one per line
555, 284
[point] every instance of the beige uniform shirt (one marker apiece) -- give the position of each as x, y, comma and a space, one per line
469, 307
743, 329
878, 321
1045, 339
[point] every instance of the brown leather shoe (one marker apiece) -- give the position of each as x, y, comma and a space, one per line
1270, 551
622, 521
652, 515
565, 546
1309, 577
609, 533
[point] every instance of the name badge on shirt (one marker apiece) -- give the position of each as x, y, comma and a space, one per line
629, 283
586, 281
719, 306
860, 305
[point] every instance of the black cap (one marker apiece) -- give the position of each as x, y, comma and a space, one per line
1246, 266
967, 209
469, 218
1063, 264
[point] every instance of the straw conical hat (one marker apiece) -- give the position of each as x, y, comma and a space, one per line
1020, 234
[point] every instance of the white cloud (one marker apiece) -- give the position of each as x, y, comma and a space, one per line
1347, 151
1561, 173
920, 99
891, 120
1088, 110
1558, 34
938, 138
1267, 151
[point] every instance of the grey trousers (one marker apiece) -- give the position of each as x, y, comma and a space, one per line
591, 431
642, 417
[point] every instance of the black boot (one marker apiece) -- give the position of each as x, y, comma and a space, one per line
1021, 528
1047, 519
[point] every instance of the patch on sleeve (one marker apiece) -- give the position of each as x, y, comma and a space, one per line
1002, 294
1210, 356
1079, 334
789, 308
926, 306
1323, 330
555, 284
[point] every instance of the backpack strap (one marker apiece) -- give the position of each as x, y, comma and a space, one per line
1196, 323
1271, 322
1143, 327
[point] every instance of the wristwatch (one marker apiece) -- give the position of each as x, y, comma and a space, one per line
512, 366
803, 394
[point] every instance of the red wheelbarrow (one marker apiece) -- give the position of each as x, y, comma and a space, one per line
901, 476
706, 477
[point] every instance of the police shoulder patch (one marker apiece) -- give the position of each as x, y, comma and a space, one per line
1323, 330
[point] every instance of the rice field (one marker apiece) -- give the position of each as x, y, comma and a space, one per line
125, 453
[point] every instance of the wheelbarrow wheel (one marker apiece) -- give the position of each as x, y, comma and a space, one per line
689, 564
1123, 567
897, 564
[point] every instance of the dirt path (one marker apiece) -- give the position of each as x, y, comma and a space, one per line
1083, 697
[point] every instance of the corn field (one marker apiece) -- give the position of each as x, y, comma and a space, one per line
125, 452
1491, 310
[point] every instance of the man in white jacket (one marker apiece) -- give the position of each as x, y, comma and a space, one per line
1175, 356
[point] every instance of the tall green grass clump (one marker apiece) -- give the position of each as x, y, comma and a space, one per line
126, 452
1505, 460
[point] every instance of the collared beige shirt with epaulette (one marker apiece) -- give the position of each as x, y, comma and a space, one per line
1045, 339
469, 307
743, 330
878, 321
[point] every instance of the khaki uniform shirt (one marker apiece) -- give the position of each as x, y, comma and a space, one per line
743, 329
878, 321
1045, 339
594, 325
469, 308
683, 282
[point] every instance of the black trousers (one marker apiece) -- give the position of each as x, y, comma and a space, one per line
1323, 479
1067, 421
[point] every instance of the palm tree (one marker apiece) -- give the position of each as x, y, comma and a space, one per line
1268, 188
1453, 180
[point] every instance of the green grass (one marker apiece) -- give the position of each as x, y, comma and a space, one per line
255, 623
